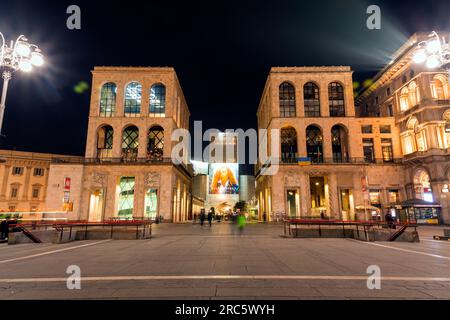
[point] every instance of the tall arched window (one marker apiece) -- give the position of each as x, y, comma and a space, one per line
108, 100
311, 100
339, 141
155, 144
130, 142
422, 185
133, 99
288, 137
105, 136
439, 87
314, 139
287, 100
404, 99
336, 99
158, 100
447, 127
414, 95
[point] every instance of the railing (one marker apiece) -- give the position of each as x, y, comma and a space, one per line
361, 226
347, 161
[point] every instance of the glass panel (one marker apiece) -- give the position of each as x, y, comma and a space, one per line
151, 203
108, 99
130, 143
292, 209
155, 146
126, 197
369, 155
311, 100
158, 100
287, 100
336, 100
133, 96
288, 145
314, 144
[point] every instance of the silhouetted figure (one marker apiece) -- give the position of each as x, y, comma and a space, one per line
210, 217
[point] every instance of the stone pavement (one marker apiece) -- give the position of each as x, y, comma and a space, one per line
187, 261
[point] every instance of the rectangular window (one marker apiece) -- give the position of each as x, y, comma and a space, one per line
38, 172
126, 197
14, 191
151, 203
11, 208
17, 171
292, 205
386, 147
35, 193
388, 91
390, 111
366, 128
368, 149
376, 100
393, 196
374, 197
385, 129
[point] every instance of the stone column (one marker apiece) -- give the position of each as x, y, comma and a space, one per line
333, 196
26, 185
326, 144
117, 142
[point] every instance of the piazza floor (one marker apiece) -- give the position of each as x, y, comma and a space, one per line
185, 261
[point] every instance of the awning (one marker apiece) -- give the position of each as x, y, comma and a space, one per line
419, 203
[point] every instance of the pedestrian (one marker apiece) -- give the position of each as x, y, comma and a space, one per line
389, 220
210, 217
195, 217
202, 217
264, 217
3, 226
241, 223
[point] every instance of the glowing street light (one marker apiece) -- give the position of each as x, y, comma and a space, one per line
435, 53
19, 55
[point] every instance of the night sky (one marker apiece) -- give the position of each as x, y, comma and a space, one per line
222, 52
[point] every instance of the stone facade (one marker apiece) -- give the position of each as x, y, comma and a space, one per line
127, 166
331, 184
417, 99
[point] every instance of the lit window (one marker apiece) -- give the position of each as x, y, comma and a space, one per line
133, 97
158, 100
385, 129
386, 147
108, 99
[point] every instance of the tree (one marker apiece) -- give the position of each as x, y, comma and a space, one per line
242, 205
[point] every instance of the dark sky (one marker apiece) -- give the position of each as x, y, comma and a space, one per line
222, 52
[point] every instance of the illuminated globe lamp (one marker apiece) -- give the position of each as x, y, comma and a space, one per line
19, 55
434, 52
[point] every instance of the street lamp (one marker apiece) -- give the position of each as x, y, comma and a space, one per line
19, 55
434, 52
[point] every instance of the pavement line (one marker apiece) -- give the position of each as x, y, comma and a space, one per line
404, 250
54, 251
225, 277
436, 241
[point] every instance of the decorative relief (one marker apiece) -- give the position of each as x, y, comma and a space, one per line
99, 178
152, 179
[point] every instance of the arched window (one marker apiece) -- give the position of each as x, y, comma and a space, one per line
314, 141
105, 137
288, 137
158, 100
155, 144
311, 100
130, 142
404, 99
439, 87
336, 99
108, 99
414, 95
287, 100
339, 141
422, 185
447, 127
133, 98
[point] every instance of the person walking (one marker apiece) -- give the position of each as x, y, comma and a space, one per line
210, 217
3, 226
202, 217
264, 217
241, 222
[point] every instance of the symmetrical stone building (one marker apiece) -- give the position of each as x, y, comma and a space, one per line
23, 183
329, 156
417, 99
127, 170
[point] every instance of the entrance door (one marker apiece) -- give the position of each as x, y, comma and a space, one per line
96, 204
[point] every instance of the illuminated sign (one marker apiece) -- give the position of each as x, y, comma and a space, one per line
224, 178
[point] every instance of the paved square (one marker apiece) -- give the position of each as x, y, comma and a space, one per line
188, 261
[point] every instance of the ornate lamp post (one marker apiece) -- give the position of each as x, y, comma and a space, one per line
19, 55
434, 52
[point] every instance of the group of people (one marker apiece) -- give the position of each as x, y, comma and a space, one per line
237, 218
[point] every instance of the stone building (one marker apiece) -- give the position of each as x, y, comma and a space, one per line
127, 170
23, 184
417, 99
333, 164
